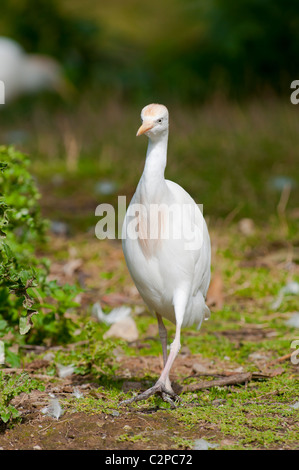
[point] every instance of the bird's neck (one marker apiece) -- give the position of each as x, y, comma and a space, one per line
155, 163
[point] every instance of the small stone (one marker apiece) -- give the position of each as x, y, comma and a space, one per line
59, 228
127, 427
202, 444
293, 321
125, 329
246, 226
295, 406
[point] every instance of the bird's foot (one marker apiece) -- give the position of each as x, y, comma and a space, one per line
168, 395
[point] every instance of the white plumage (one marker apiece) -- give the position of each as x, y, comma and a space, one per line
27, 73
166, 245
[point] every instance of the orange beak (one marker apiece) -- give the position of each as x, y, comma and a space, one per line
146, 126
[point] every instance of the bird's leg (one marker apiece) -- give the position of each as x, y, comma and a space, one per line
179, 302
163, 339
163, 383
174, 349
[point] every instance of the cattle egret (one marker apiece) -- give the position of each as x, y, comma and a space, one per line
167, 248
24, 73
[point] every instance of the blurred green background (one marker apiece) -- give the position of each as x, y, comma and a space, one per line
223, 69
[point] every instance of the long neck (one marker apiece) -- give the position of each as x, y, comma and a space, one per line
155, 163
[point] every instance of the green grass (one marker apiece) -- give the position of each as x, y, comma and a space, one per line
252, 417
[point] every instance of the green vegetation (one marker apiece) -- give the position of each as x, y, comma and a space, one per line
10, 387
176, 50
24, 288
250, 417
93, 357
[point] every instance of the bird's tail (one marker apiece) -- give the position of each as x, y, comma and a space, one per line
206, 316
207, 312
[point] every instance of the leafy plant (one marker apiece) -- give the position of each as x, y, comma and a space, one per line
24, 288
20, 226
10, 387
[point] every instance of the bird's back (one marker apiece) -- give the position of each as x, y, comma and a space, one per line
199, 250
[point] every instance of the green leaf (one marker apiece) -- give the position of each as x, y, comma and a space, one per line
24, 325
4, 415
3, 324
12, 358
8, 251
14, 412
25, 276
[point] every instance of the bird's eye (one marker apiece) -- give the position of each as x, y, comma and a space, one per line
159, 120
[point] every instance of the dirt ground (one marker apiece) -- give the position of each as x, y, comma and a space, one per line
152, 426
79, 430
143, 428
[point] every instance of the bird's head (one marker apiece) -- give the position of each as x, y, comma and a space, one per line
154, 121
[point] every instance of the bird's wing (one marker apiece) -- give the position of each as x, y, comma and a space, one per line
201, 254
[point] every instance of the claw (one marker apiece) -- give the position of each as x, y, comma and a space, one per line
167, 399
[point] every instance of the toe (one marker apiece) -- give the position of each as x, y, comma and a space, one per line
167, 399
167, 394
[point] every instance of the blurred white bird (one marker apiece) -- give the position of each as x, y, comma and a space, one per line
27, 73
169, 258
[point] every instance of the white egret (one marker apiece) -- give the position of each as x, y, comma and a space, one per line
167, 249
24, 73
